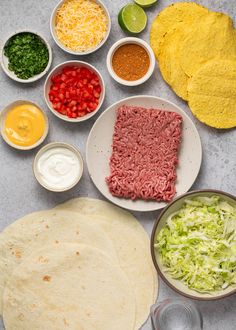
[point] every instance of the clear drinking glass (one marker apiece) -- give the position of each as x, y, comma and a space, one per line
175, 314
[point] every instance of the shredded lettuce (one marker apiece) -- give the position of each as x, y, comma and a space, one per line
198, 244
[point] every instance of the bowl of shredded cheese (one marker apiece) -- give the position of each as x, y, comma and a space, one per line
80, 27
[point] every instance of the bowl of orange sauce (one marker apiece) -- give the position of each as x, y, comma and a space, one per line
23, 125
131, 61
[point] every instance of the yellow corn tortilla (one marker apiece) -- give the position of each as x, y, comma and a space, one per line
212, 37
212, 94
169, 62
181, 12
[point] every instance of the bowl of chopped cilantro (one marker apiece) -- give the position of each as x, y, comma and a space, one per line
193, 244
26, 56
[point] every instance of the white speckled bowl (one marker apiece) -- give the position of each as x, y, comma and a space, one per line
57, 145
3, 114
58, 69
175, 284
11, 74
136, 41
63, 47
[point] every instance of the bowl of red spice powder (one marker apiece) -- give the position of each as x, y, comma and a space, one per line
131, 61
74, 91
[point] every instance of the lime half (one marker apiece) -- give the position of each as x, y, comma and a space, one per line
132, 18
145, 3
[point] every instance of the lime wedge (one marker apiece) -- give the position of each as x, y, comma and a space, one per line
145, 3
132, 18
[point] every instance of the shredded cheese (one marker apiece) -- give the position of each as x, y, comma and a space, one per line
81, 25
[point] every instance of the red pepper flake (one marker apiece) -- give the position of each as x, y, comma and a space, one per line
75, 92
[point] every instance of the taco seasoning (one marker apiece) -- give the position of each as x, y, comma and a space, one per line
131, 62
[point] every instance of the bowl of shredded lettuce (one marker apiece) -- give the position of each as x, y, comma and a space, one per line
193, 244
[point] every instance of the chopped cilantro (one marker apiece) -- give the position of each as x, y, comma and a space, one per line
27, 54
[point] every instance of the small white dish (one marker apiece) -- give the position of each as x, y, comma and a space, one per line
11, 74
53, 145
63, 47
136, 41
99, 150
3, 114
58, 69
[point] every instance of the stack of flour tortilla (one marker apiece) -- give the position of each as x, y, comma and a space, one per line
84, 265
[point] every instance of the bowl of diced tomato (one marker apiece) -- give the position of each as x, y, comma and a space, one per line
74, 91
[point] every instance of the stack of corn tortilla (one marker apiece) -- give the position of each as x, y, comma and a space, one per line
196, 51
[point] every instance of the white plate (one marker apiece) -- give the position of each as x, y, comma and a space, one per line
98, 151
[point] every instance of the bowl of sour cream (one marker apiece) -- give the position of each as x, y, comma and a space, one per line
58, 166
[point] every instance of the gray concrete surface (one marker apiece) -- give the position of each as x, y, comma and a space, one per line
20, 193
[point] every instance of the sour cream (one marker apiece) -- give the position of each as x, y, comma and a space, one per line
58, 168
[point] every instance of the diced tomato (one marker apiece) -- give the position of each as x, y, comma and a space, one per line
63, 77
81, 113
61, 96
96, 94
75, 92
72, 103
98, 89
66, 69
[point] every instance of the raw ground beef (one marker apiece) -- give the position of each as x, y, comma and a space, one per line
144, 154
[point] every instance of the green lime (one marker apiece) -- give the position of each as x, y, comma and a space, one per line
145, 3
132, 18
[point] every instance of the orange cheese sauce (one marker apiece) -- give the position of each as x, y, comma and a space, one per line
25, 125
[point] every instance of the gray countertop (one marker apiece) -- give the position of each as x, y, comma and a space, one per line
21, 194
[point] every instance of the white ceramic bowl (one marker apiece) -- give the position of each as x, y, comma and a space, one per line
136, 41
175, 284
63, 47
11, 74
58, 69
51, 146
2, 125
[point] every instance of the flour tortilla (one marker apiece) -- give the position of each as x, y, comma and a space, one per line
76, 288
35, 230
180, 12
169, 61
213, 37
132, 246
